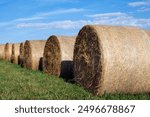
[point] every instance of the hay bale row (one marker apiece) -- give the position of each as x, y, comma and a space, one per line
102, 59
56, 50
15, 53
58, 56
33, 53
111, 59
2, 51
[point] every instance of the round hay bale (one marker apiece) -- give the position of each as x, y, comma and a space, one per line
7, 51
15, 53
33, 52
148, 32
111, 59
2, 51
21, 54
58, 56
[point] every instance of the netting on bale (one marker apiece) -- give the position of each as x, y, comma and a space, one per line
15, 53
110, 59
58, 56
2, 46
21, 54
7, 51
33, 53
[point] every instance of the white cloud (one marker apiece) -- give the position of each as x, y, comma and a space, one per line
142, 6
62, 11
137, 4
66, 24
29, 18
143, 9
116, 18
114, 14
40, 16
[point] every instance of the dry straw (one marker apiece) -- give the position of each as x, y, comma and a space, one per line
111, 59
21, 54
2, 51
15, 53
58, 56
148, 32
33, 53
7, 51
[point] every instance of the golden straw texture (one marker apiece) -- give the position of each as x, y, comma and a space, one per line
7, 51
15, 53
110, 59
2, 51
58, 56
148, 32
33, 53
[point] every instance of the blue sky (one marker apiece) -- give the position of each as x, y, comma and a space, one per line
22, 20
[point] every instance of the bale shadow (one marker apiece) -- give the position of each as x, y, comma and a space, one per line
41, 64
20, 61
67, 71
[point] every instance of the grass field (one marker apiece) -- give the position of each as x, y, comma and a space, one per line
20, 83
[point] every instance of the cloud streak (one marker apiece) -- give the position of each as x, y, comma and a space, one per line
137, 4
113, 14
143, 6
118, 18
40, 16
114, 18
29, 18
61, 11
66, 24
143, 9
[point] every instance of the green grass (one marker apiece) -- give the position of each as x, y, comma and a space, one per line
20, 83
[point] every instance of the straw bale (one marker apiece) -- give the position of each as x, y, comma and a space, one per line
2, 46
58, 56
7, 51
15, 53
109, 59
33, 52
148, 32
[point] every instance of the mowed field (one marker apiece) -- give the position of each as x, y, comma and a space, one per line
19, 83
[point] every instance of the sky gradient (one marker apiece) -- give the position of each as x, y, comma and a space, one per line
22, 20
